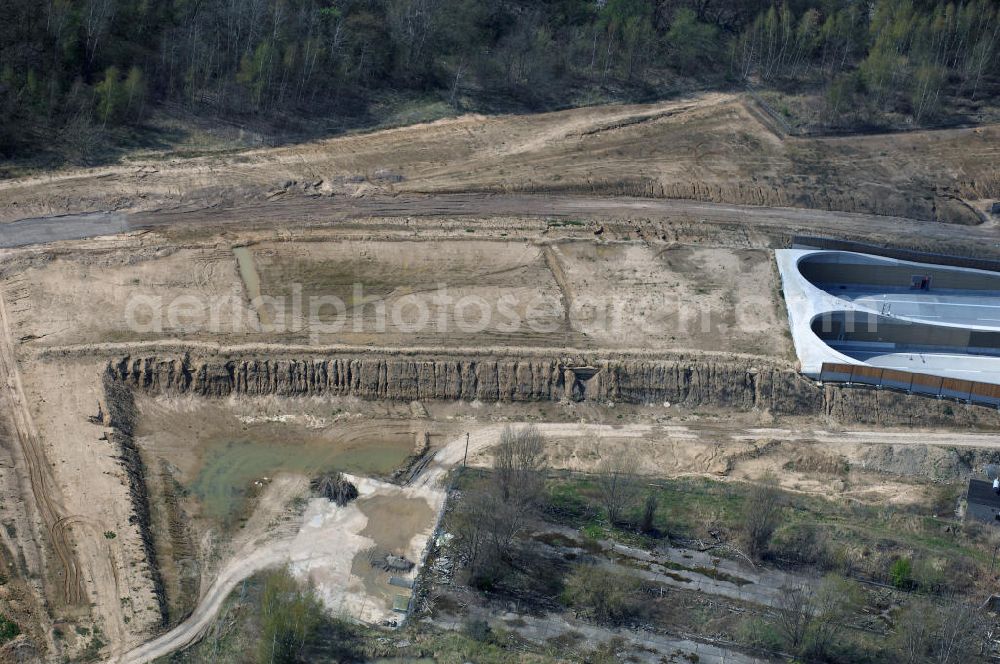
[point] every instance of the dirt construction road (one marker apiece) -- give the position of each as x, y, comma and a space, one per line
306, 212
706, 147
42, 483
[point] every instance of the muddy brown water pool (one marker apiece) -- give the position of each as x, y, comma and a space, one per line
392, 522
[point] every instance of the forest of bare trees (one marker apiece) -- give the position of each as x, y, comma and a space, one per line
878, 57
72, 68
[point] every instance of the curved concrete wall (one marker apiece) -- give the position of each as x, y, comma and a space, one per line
884, 312
831, 269
845, 330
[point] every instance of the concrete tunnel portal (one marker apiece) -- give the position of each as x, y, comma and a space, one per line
856, 308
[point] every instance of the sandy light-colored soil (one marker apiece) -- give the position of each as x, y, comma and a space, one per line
325, 544
711, 147
599, 275
393, 291
330, 545
69, 312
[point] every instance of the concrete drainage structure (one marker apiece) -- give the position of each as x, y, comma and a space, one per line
852, 309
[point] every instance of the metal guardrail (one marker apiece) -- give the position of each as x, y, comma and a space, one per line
969, 391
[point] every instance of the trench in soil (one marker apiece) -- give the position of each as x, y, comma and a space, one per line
251, 280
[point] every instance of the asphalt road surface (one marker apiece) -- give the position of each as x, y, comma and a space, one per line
979, 309
981, 368
42, 230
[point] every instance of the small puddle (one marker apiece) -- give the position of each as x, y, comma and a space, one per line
224, 479
251, 281
393, 521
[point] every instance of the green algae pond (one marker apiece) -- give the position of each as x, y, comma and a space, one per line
230, 467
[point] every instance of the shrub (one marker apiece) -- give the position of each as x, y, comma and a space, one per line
804, 543
290, 618
929, 574
602, 594
649, 512
618, 485
901, 574
833, 603
8, 629
759, 633
947, 632
477, 629
811, 619
761, 517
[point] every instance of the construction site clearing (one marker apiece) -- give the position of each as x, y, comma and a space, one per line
176, 369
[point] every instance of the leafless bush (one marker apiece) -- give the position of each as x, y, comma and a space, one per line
518, 463
618, 482
486, 526
794, 614
489, 518
914, 632
470, 527
945, 633
761, 517
832, 605
809, 620
602, 594
81, 139
649, 512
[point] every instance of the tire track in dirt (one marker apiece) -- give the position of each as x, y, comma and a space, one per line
310, 212
259, 546
103, 573
43, 485
555, 267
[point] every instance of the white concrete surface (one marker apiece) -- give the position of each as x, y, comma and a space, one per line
954, 308
976, 310
804, 302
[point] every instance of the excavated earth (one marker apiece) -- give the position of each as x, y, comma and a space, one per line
101, 381
713, 147
141, 369
741, 385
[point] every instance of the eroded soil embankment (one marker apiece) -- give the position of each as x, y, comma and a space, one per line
120, 414
739, 384
941, 207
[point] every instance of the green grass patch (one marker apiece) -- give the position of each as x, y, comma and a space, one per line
832, 534
8, 629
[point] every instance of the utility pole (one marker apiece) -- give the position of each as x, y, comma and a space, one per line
466, 457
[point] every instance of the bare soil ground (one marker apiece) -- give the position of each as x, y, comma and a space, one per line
709, 148
208, 476
536, 289
96, 517
673, 441
596, 271
70, 312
